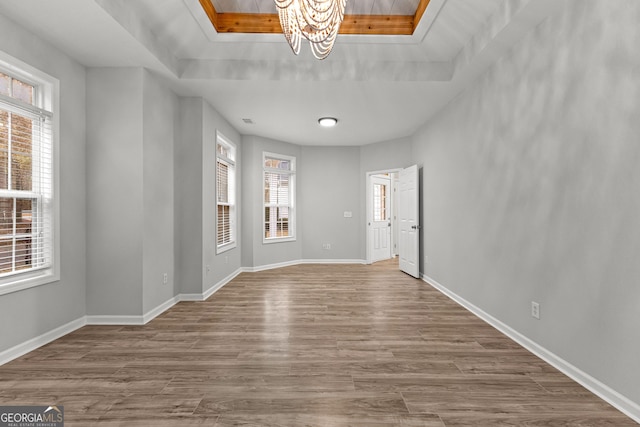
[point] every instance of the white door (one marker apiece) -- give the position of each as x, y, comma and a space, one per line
380, 218
409, 242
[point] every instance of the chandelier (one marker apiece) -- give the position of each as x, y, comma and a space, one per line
317, 20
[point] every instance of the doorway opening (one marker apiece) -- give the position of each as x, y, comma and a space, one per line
382, 217
393, 223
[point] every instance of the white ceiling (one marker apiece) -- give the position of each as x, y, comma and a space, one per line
379, 87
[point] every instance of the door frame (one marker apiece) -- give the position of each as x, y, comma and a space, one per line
369, 208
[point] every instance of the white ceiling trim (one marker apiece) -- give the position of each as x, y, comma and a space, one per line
123, 15
408, 79
312, 70
298, 69
213, 36
427, 20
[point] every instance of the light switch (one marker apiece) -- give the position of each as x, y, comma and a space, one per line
348, 214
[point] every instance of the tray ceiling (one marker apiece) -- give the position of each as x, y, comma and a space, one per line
370, 17
381, 87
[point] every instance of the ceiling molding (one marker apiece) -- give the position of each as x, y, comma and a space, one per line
301, 71
122, 14
422, 7
262, 23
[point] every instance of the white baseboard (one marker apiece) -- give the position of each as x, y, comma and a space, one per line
114, 320
302, 261
34, 343
212, 290
155, 312
132, 320
333, 261
190, 297
619, 401
215, 288
270, 266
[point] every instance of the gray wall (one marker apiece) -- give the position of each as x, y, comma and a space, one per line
330, 181
381, 156
254, 252
188, 196
228, 262
530, 190
160, 107
330, 186
114, 191
130, 140
198, 266
529, 182
32, 312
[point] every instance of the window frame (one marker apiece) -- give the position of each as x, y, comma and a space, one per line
292, 197
231, 163
46, 100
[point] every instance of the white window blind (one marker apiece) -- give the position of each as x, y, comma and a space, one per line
279, 191
225, 194
26, 179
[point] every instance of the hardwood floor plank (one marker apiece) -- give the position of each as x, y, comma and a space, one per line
447, 383
171, 421
499, 402
350, 403
311, 420
541, 420
306, 345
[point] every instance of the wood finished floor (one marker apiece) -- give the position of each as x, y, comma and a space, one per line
312, 345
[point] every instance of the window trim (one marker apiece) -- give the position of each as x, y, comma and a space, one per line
292, 197
232, 192
46, 99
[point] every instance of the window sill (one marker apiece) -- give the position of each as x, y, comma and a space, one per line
226, 247
278, 240
27, 280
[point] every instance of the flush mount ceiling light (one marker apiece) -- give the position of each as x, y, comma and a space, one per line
327, 122
317, 20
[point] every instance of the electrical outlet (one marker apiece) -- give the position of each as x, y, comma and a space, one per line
535, 310
165, 278
426, 259
326, 246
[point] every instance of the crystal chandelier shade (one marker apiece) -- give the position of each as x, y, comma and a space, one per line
316, 20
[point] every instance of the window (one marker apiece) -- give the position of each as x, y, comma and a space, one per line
379, 202
27, 208
279, 196
225, 194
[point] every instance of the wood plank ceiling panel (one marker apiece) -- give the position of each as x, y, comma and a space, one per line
371, 17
